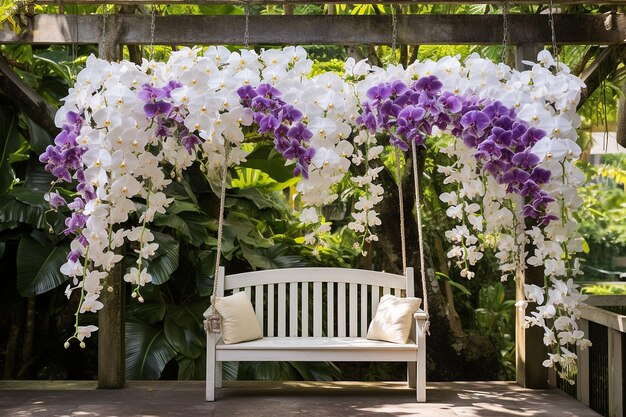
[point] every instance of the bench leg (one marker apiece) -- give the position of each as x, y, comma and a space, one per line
210, 369
218, 374
420, 370
411, 373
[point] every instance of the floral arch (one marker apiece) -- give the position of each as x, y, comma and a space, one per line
128, 131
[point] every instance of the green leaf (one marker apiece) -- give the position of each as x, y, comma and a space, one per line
230, 371
147, 351
460, 287
39, 138
37, 178
28, 196
18, 157
38, 264
239, 225
2, 248
205, 270
165, 260
184, 340
173, 221
266, 159
256, 258
53, 64
153, 309
256, 197
192, 369
14, 211
178, 206
188, 225
585, 245
9, 143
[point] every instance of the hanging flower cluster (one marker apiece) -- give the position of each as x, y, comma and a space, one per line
557, 313
283, 121
125, 126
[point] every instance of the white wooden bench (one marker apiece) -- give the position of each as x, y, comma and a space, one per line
321, 314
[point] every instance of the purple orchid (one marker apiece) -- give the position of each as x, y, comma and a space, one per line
502, 142
273, 115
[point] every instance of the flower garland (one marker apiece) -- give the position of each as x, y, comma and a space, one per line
128, 130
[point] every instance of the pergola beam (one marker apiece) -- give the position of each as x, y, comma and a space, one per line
319, 29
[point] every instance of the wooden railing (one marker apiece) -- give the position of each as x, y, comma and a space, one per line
601, 377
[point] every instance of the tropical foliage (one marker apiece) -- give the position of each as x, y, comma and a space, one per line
261, 228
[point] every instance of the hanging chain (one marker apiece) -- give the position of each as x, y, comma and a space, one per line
400, 203
104, 24
214, 318
103, 36
72, 67
505, 31
394, 35
553, 33
420, 238
246, 32
152, 28
74, 45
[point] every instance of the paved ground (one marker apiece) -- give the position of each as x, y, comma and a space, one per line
164, 399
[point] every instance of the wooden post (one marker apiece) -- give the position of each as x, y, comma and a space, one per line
530, 351
621, 117
111, 331
616, 406
582, 378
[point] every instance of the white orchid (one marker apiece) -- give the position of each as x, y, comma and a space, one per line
126, 150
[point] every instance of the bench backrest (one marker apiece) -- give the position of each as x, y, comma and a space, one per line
305, 302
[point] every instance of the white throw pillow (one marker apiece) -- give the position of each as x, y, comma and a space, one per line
393, 319
238, 319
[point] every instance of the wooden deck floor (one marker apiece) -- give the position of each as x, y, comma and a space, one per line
372, 399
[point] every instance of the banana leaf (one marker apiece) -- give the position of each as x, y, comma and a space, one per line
165, 260
147, 351
9, 143
39, 263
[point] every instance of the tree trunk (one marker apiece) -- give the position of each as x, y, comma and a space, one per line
13, 343
451, 355
29, 335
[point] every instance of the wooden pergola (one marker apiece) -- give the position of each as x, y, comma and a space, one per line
527, 33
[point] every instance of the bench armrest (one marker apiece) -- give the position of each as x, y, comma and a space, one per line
420, 315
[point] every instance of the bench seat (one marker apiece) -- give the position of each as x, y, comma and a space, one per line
310, 349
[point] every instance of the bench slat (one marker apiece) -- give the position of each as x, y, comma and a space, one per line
341, 310
293, 309
364, 321
305, 310
353, 308
270, 310
282, 317
259, 305
330, 309
317, 309
375, 298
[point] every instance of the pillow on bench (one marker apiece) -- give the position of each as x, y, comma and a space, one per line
238, 319
393, 319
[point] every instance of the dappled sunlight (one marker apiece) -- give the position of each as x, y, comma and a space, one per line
277, 399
